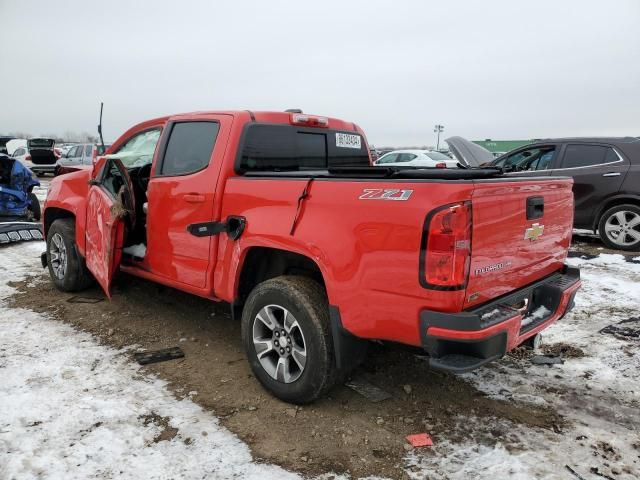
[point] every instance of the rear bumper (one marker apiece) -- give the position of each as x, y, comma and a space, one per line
460, 342
46, 168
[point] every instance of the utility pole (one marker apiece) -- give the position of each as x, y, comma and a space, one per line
438, 129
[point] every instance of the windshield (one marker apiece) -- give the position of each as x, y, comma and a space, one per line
138, 151
437, 156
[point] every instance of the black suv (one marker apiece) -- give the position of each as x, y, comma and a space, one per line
606, 174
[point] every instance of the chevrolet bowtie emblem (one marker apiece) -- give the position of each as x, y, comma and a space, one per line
534, 232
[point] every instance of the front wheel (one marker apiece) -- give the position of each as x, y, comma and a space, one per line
287, 338
619, 227
66, 267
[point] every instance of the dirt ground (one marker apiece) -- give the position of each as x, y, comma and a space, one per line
343, 433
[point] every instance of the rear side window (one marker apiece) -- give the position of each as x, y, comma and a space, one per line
284, 147
406, 157
585, 155
437, 156
189, 147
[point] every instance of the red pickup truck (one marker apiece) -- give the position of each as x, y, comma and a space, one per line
282, 215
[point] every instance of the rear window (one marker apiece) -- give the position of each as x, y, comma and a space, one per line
40, 143
283, 147
437, 156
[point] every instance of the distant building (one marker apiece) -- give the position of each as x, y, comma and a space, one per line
498, 147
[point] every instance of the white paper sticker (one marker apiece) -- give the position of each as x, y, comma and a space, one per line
346, 140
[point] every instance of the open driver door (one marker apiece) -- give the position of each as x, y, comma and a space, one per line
110, 214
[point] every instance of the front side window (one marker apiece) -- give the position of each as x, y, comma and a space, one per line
388, 158
189, 147
139, 149
538, 158
73, 152
113, 179
87, 150
585, 155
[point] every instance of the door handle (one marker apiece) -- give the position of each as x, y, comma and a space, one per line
611, 174
535, 207
193, 198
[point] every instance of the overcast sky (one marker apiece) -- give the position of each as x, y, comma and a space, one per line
493, 69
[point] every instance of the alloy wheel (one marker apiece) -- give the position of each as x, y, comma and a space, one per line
623, 228
58, 256
279, 343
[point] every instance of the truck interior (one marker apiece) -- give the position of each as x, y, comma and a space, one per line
130, 189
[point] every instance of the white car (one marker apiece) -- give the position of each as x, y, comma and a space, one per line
39, 156
416, 158
21, 154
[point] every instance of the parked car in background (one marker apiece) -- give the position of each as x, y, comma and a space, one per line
65, 147
81, 154
17, 200
416, 158
21, 154
606, 174
41, 156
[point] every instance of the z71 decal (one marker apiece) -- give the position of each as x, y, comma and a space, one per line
385, 194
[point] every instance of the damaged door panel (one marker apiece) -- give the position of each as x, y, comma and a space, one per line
110, 210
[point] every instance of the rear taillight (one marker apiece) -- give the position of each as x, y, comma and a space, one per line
445, 253
441, 165
28, 158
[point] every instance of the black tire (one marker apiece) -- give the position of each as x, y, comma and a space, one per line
306, 300
626, 242
76, 276
35, 207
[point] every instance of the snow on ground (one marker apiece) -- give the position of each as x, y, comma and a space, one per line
598, 393
70, 408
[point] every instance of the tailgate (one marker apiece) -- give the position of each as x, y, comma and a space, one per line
521, 232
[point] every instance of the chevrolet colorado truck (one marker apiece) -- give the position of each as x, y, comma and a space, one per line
282, 215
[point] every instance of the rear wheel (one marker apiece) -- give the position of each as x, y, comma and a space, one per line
66, 267
619, 227
287, 338
34, 207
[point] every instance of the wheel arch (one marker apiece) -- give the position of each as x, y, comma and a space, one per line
612, 202
263, 263
52, 214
